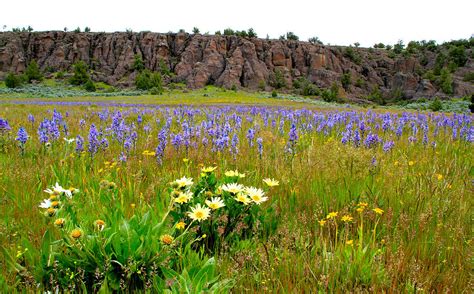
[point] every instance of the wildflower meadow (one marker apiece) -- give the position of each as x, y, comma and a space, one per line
291, 198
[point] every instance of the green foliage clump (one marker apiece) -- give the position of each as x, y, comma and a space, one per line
354, 56
446, 82
33, 72
398, 48
292, 36
315, 40
274, 94
278, 80
469, 77
138, 64
331, 95
147, 80
80, 73
89, 86
436, 105
471, 106
457, 55
195, 30
306, 87
376, 96
346, 80
13, 81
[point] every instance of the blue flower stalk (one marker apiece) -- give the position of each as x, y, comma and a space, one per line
22, 137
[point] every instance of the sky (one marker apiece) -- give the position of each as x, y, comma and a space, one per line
337, 22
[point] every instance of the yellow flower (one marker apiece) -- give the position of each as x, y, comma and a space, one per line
148, 153
231, 173
350, 242
411, 162
59, 222
51, 211
322, 223
180, 225
242, 198
166, 239
183, 197
347, 218
132, 205
363, 204
395, 163
215, 203
209, 169
257, 195
440, 177
271, 182
199, 213
204, 236
378, 210
76, 233
55, 204
332, 215
360, 209
185, 160
100, 224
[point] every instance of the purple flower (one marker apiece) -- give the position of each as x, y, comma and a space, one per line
4, 126
31, 118
250, 136
22, 137
79, 144
93, 146
260, 146
371, 140
388, 145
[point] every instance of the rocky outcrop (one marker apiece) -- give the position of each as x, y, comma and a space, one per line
227, 61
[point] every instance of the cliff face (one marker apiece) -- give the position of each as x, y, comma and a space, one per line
199, 60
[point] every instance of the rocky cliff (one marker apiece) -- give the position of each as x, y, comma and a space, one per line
226, 61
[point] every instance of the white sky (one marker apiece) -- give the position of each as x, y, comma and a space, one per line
339, 22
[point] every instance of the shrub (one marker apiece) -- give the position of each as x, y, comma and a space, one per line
398, 48
195, 30
12, 80
33, 72
331, 95
138, 63
274, 94
279, 80
156, 91
146, 80
436, 105
234, 88
251, 33
292, 36
346, 80
229, 32
81, 74
376, 96
350, 53
59, 75
457, 54
446, 82
261, 85
469, 77
471, 106
89, 86
315, 40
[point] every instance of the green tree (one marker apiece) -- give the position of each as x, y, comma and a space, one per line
398, 48
138, 63
251, 33
457, 54
436, 105
446, 82
195, 30
33, 72
90, 86
315, 40
346, 80
80, 73
147, 80
292, 36
12, 80
87, 29
279, 80
229, 32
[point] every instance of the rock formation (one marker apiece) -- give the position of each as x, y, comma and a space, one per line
225, 61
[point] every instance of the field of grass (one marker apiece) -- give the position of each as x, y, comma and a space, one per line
366, 201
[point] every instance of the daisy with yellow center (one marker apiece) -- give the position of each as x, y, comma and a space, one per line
271, 182
199, 213
183, 197
184, 182
215, 203
51, 211
257, 195
55, 204
241, 197
232, 188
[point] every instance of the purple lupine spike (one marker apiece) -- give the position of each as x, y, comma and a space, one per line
79, 144
94, 143
260, 146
